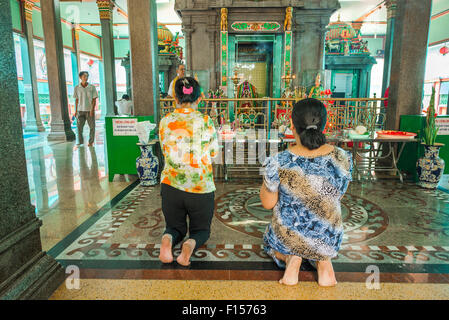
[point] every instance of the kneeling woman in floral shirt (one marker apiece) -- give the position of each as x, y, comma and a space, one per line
189, 142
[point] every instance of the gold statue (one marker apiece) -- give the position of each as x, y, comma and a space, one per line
224, 19
316, 90
288, 19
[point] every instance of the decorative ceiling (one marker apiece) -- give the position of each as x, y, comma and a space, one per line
373, 13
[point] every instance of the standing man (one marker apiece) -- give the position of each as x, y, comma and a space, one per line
85, 96
181, 72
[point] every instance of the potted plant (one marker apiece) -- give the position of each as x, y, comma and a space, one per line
430, 167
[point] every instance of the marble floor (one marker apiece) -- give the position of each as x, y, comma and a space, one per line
111, 231
68, 183
399, 228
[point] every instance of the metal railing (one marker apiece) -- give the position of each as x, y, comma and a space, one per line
271, 113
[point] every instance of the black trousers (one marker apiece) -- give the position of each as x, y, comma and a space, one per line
178, 204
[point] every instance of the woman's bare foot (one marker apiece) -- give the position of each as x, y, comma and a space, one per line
166, 255
280, 256
290, 278
326, 275
187, 249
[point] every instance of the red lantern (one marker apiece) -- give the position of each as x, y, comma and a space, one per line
444, 50
90, 62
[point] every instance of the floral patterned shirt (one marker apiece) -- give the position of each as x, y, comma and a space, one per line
189, 142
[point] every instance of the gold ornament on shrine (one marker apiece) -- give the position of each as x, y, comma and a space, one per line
105, 9
77, 31
288, 19
28, 8
224, 19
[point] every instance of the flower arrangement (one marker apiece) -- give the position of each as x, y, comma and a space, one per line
431, 130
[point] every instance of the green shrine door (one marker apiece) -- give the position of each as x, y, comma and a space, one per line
257, 59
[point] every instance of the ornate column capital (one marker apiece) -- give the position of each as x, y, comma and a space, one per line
391, 8
187, 31
105, 9
28, 8
77, 29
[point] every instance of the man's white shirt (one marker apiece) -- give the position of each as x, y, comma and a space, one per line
124, 107
85, 95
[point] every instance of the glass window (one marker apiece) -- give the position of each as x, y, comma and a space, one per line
162, 82
427, 94
444, 92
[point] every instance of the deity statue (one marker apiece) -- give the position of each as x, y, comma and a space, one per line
246, 90
364, 46
245, 109
288, 19
224, 19
316, 90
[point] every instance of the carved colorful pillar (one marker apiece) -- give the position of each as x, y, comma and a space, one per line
33, 114
107, 45
224, 49
288, 36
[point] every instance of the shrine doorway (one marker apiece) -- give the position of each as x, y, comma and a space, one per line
257, 59
345, 83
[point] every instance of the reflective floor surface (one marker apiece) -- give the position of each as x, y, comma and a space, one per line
68, 183
111, 230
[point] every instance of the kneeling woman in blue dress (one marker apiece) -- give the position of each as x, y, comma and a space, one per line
304, 185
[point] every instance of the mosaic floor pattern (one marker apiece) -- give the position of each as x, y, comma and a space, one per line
398, 227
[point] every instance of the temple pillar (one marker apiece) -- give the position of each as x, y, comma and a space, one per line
76, 54
187, 32
309, 34
389, 37
212, 36
408, 62
33, 114
126, 64
102, 93
26, 272
107, 45
142, 16
60, 121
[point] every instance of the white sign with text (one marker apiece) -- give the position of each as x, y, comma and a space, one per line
124, 127
443, 124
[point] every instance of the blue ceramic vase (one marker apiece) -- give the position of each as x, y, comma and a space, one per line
147, 166
430, 168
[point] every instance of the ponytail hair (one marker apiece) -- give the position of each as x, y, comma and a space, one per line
187, 90
309, 118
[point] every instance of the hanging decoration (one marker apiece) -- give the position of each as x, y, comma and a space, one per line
444, 50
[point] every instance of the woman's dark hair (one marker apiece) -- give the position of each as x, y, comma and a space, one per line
82, 73
125, 96
309, 118
187, 90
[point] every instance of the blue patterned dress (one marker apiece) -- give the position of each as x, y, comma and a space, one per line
307, 218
